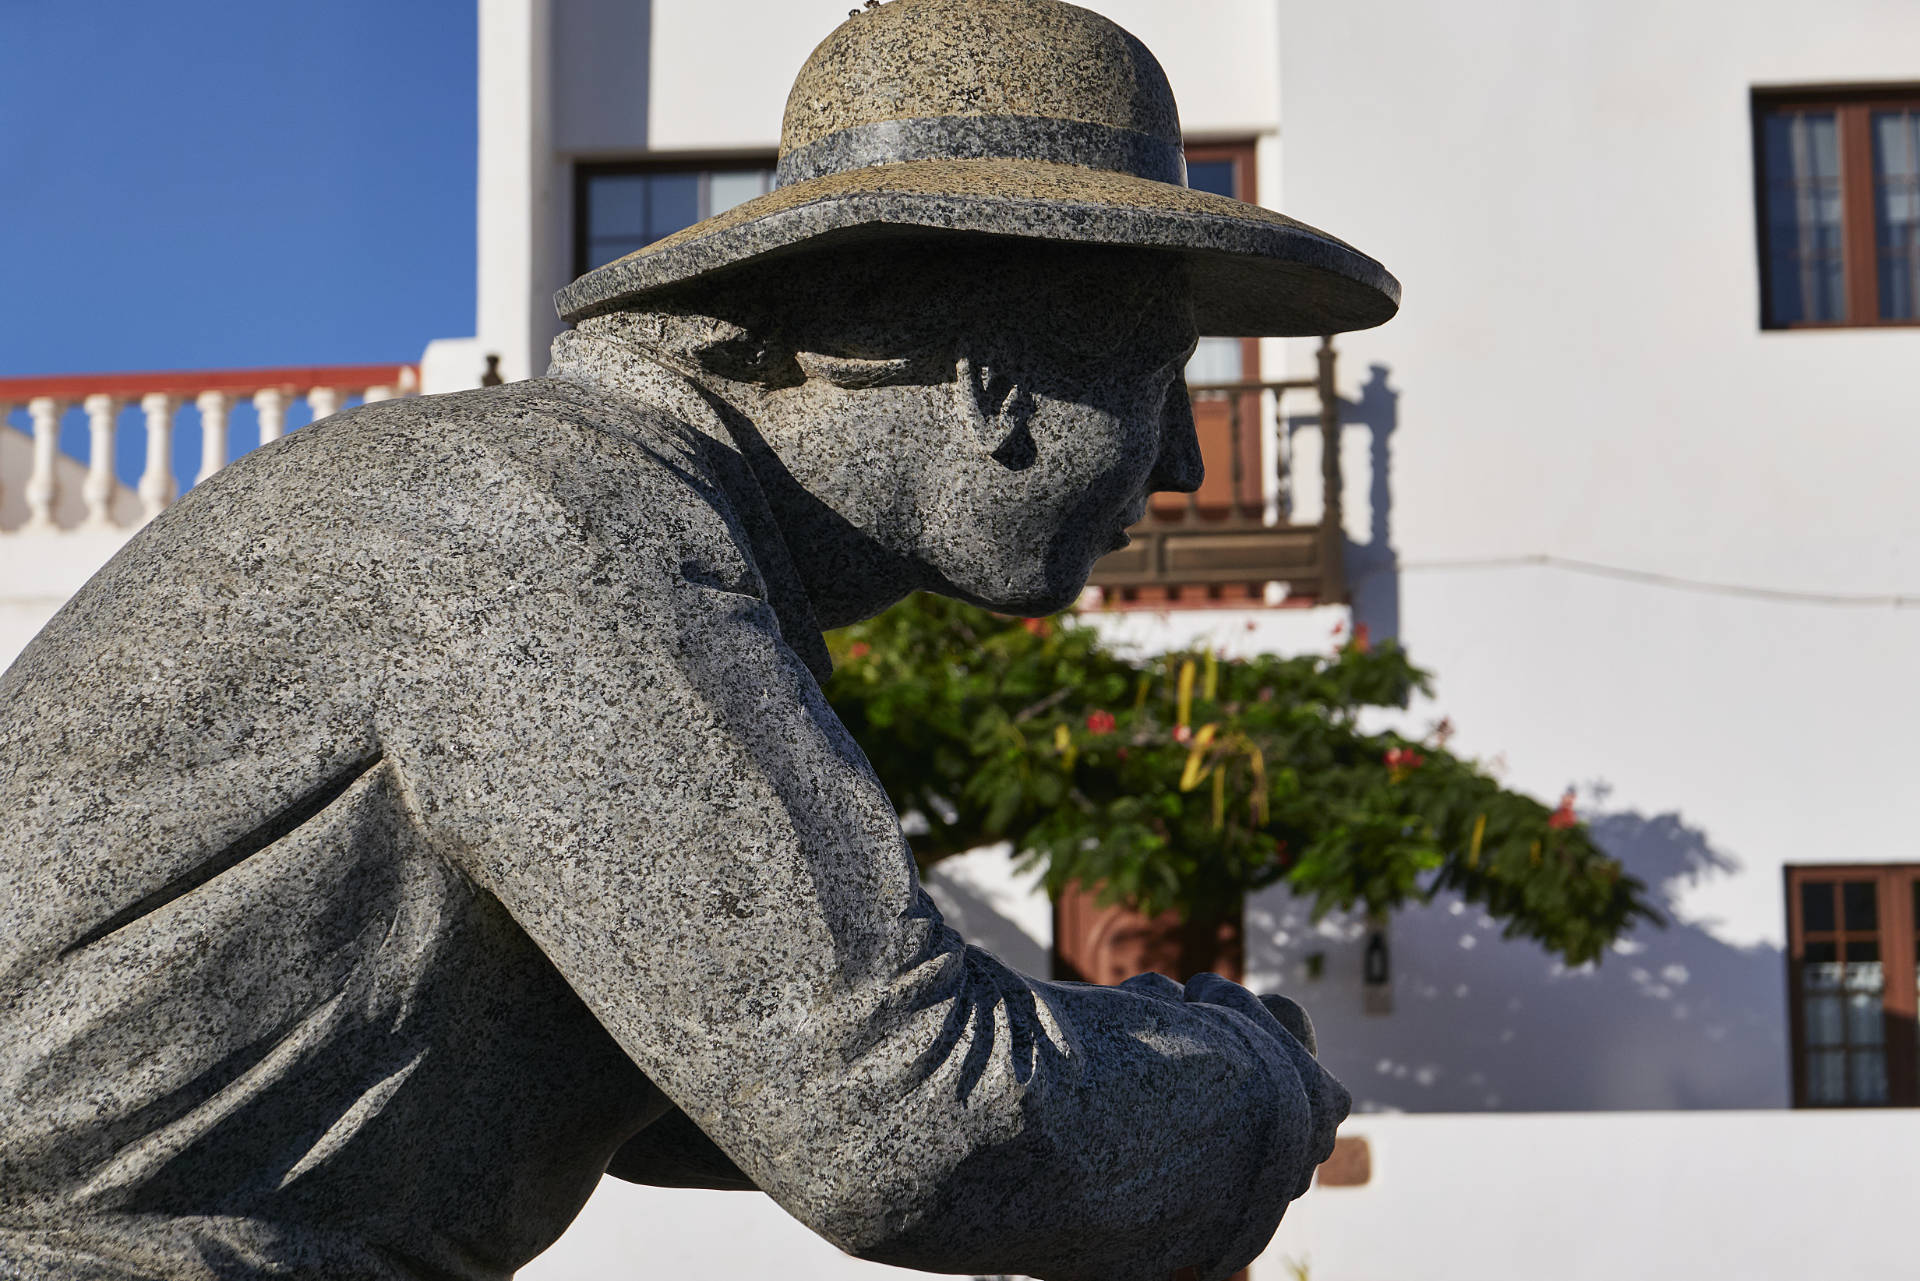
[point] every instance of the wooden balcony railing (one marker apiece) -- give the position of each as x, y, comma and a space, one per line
1232, 539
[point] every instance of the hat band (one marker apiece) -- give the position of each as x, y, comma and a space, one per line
1042, 138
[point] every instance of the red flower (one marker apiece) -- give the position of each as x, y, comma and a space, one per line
859, 649
1563, 817
1037, 626
1361, 641
1403, 758
1100, 721
1339, 627
1182, 733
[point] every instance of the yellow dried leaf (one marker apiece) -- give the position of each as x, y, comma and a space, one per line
1190, 777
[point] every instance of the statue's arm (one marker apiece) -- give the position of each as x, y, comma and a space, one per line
673, 1152
653, 785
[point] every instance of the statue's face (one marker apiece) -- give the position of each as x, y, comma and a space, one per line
1004, 447
1017, 515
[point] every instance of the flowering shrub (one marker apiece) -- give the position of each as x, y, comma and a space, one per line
1185, 780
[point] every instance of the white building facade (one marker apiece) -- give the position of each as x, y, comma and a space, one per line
1627, 473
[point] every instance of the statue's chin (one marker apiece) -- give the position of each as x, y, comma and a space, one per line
1049, 594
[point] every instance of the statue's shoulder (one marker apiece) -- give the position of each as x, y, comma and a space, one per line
506, 454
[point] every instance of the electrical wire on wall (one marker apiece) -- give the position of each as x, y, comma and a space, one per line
1670, 581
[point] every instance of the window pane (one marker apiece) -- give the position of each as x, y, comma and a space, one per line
1862, 950
1896, 211
1823, 1020
1868, 1083
1865, 1026
1215, 360
1216, 176
1800, 157
673, 203
1822, 976
727, 189
1816, 906
1826, 1078
1821, 953
1860, 904
617, 206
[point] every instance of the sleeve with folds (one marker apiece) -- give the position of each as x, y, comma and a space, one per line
651, 782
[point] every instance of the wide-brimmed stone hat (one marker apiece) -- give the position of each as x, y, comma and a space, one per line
1031, 119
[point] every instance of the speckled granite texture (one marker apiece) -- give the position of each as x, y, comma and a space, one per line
1015, 118
440, 804
438, 809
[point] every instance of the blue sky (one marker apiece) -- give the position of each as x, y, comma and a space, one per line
209, 184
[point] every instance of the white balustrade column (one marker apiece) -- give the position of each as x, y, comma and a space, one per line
271, 404
213, 432
103, 416
6, 411
376, 394
324, 401
157, 487
43, 485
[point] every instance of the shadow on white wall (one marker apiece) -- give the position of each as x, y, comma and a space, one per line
1672, 1018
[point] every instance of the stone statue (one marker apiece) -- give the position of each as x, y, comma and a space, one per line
438, 810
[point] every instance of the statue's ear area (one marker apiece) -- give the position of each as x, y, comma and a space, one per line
998, 406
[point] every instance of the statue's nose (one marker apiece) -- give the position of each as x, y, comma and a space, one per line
1179, 467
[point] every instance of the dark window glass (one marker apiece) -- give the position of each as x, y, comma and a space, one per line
1816, 906
673, 203
1216, 176
1896, 211
1862, 950
1800, 158
1862, 911
1818, 953
625, 211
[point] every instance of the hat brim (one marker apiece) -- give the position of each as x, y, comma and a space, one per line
1255, 273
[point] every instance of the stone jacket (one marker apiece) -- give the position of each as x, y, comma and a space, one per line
439, 805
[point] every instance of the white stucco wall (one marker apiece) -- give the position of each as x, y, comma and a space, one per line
1663, 1197
1566, 192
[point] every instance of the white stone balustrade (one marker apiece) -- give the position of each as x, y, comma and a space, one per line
44, 490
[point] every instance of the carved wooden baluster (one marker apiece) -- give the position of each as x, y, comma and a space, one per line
1236, 507
43, 485
271, 404
213, 407
103, 417
157, 487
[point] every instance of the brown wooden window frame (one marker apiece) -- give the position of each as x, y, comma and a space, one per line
1898, 934
1853, 107
1246, 177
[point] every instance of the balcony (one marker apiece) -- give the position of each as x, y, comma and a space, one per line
1232, 542
87, 461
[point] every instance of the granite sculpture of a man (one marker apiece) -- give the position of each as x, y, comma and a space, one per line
438, 809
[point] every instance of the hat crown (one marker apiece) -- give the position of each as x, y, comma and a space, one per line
985, 67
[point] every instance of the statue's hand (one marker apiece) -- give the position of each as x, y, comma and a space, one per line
1265, 1009
1215, 990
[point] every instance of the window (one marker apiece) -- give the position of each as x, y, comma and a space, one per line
1225, 170
619, 208
1837, 175
1851, 980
